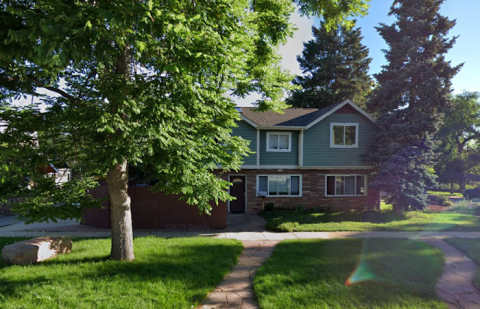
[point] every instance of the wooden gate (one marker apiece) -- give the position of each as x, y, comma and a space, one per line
158, 211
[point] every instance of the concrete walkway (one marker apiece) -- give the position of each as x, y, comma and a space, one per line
236, 290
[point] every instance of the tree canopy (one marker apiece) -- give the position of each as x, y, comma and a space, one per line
335, 67
136, 82
413, 92
458, 150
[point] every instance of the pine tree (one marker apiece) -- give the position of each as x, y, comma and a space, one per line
335, 66
413, 90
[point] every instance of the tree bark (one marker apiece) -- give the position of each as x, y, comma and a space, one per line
120, 213
398, 210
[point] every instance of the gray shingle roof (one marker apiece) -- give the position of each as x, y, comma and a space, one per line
292, 117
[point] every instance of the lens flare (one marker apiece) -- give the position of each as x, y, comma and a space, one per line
361, 273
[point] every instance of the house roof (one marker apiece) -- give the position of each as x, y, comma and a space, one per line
294, 117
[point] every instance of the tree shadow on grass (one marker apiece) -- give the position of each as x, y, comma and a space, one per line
184, 271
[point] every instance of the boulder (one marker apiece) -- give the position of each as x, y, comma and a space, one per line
36, 250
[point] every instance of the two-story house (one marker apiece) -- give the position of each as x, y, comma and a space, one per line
305, 156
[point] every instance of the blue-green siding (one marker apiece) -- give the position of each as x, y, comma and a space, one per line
247, 132
316, 142
278, 158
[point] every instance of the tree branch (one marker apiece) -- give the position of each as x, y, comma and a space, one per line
42, 85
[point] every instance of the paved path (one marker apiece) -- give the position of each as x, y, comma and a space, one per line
236, 290
455, 287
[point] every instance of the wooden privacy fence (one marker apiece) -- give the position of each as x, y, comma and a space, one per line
158, 211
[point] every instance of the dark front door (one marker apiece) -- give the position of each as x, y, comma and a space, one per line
237, 190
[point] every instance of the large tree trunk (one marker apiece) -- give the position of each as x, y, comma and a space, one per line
398, 210
120, 213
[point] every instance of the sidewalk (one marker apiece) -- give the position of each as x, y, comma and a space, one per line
71, 228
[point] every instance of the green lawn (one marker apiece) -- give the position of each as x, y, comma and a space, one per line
454, 219
457, 194
384, 274
471, 247
167, 273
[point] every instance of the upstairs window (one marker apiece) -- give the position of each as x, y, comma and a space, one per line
345, 185
279, 141
344, 135
280, 185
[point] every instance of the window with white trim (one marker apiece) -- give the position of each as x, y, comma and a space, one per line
344, 135
279, 141
280, 185
345, 185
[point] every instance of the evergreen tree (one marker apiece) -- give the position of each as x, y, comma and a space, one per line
413, 90
335, 67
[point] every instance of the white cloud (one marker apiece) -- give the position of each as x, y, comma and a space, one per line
289, 51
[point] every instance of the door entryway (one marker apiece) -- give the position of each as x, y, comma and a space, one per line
238, 190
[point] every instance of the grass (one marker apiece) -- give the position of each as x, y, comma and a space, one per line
471, 247
442, 193
167, 273
453, 219
383, 273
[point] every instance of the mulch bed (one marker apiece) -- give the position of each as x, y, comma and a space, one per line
437, 208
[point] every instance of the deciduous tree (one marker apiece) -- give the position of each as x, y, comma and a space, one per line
127, 82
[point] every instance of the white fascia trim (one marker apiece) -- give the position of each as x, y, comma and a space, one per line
347, 101
282, 128
258, 146
289, 167
253, 124
300, 148
289, 134
256, 167
344, 124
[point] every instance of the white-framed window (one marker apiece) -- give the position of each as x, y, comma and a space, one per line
279, 185
279, 141
345, 185
343, 135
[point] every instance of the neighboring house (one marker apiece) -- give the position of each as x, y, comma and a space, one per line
306, 156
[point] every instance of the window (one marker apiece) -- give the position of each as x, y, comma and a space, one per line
279, 185
345, 185
279, 142
344, 135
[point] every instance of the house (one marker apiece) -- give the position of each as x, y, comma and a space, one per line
305, 156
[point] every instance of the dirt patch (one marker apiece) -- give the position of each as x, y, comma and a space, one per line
437, 208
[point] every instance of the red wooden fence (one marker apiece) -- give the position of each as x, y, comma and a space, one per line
158, 211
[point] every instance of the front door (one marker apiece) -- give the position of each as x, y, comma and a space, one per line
237, 190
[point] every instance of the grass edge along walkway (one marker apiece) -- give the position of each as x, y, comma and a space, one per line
382, 273
167, 273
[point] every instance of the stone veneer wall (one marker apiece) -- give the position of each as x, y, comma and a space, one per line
313, 191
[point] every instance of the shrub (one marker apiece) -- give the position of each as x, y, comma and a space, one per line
441, 200
318, 209
447, 203
270, 207
300, 208
283, 227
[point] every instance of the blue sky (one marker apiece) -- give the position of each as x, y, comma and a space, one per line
466, 49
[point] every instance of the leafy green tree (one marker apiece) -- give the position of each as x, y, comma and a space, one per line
413, 91
458, 139
136, 82
335, 66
